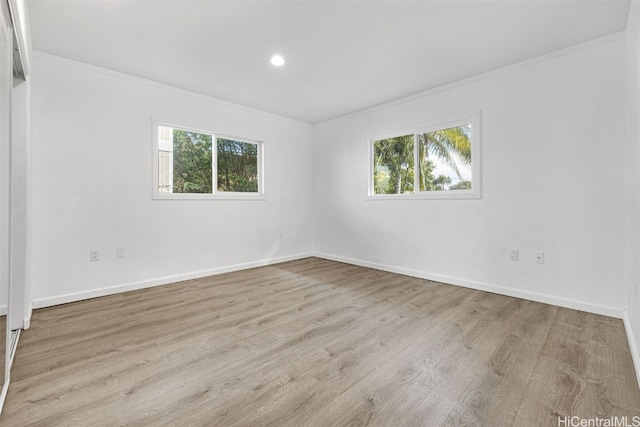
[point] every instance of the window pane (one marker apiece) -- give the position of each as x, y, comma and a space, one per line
237, 166
393, 165
445, 159
192, 172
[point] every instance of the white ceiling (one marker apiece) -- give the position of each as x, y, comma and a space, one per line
342, 56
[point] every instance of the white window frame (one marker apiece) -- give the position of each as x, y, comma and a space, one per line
473, 118
215, 195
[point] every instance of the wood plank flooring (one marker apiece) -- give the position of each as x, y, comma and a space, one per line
317, 343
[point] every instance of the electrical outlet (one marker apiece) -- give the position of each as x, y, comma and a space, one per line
94, 255
119, 252
539, 257
513, 254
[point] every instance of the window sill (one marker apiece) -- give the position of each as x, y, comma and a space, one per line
198, 196
435, 195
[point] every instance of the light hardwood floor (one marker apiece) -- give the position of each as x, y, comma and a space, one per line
317, 343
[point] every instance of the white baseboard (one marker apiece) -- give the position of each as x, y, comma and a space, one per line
27, 319
116, 289
532, 296
633, 345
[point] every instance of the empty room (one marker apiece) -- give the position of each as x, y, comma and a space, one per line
320, 213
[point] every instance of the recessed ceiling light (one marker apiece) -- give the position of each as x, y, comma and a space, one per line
277, 60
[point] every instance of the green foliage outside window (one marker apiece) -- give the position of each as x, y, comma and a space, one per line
444, 149
192, 172
451, 147
462, 185
393, 165
237, 166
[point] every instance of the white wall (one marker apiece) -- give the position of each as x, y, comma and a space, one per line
553, 150
92, 174
632, 156
553, 180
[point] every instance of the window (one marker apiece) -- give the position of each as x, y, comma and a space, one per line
441, 160
194, 164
